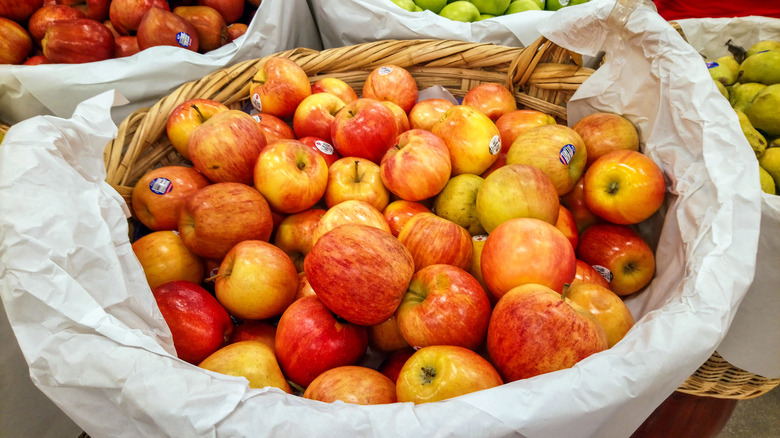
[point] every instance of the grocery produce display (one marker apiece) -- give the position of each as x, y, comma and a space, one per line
477, 10
70, 31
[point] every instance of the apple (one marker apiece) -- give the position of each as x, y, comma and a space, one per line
477, 245
444, 305
164, 257
457, 202
585, 273
161, 27
434, 240
199, 324
392, 363
432, 5
514, 191
401, 118
35, 60
304, 287
315, 115
492, 7
209, 26
608, 308
291, 176
407, 5
359, 272
398, 213
187, 116
364, 128
386, 336
392, 83
310, 340
125, 45
624, 187
273, 127
256, 280
606, 132
231, 10
620, 254
417, 167
440, 372
36, 26
534, 330
294, 234
514, 123
322, 147
460, 10
355, 178
555, 149
427, 112
335, 86
19, 10
220, 215
351, 211
500, 162
492, 99
471, 137
575, 202
554, 5
225, 147
523, 5
568, 227
236, 30
255, 330
352, 384
278, 87
77, 40
15, 42
159, 194
526, 250
126, 15
94, 9
253, 360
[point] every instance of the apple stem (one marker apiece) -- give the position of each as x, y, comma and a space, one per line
566, 287
357, 176
613, 188
200, 114
427, 374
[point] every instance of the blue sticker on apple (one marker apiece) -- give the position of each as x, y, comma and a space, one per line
566, 154
183, 39
161, 186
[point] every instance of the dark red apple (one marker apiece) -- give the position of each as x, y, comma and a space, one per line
126, 15
78, 41
231, 10
45, 15
19, 10
94, 9
209, 25
15, 42
160, 27
126, 45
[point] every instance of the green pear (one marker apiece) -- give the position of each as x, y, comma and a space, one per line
767, 182
770, 161
722, 88
756, 140
457, 202
763, 67
763, 111
741, 95
721, 72
762, 46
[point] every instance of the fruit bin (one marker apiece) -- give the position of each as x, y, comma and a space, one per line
121, 366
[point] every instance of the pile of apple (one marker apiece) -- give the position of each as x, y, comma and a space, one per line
36, 32
458, 246
477, 10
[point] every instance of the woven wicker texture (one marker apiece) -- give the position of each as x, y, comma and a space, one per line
718, 378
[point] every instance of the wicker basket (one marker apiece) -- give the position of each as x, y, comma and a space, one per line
542, 76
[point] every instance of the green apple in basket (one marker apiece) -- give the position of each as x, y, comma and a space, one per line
460, 10
492, 7
434, 6
408, 5
524, 5
554, 5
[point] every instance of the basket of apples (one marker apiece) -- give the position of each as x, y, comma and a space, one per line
434, 228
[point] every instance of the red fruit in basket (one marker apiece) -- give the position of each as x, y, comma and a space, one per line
534, 330
164, 257
393, 362
492, 99
322, 147
568, 227
516, 122
608, 308
386, 336
255, 330
15, 42
294, 234
126, 45
392, 83
186, 117
274, 128
427, 112
94, 9
417, 167
208, 23
36, 60
231, 10
585, 273
78, 41
253, 360
126, 15
310, 340
359, 272
19, 10
433, 240
236, 30
355, 178
45, 15
472, 138
575, 202
199, 324
278, 87
350, 212
335, 86
364, 128
352, 384
401, 118
606, 132
315, 115
158, 196
398, 213
160, 27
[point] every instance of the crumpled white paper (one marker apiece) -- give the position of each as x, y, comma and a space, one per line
349, 22
97, 346
144, 78
753, 340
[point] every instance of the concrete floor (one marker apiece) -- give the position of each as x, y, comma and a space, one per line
755, 418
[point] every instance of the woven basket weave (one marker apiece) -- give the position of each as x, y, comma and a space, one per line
542, 76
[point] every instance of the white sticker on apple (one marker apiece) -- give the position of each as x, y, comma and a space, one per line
183, 39
257, 118
480, 237
256, 102
566, 153
161, 186
606, 273
384, 70
324, 146
495, 145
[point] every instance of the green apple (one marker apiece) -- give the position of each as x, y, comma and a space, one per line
523, 5
457, 202
485, 17
460, 10
492, 7
408, 5
432, 5
554, 5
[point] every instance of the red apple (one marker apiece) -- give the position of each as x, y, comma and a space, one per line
164, 257
187, 116
94, 9
624, 187
608, 308
575, 202
417, 167
568, 227
220, 215
364, 128
273, 127
355, 178
41, 18
526, 250
534, 330
304, 287
255, 330
77, 41
392, 83
209, 26
433, 240
278, 87
472, 138
256, 280
401, 118
585, 273
490, 98
516, 122
36, 60
606, 132
386, 336
351, 211
620, 254
440, 372
392, 363
126, 15
427, 112
161, 27
126, 45
225, 147
19, 10
158, 196
352, 384
322, 147
199, 324
295, 232
15, 42
253, 360
335, 86
398, 213
359, 272
231, 10
315, 114
236, 30
444, 305
310, 340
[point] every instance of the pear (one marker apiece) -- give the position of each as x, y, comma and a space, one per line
763, 110
722, 72
741, 95
767, 182
763, 67
770, 161
756, 140
722, 88
774, 143
762, 46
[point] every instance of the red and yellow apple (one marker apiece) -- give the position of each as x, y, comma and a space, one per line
253, 360
492, 99
164, 257
426, 112
398, 213
187, 116
295, 232
608, 308
472, 138
392, 83
209, 25
351, 211
606, 132
433, 240
417, 167
352, 384
335, 86
158, 196
315, 115
273, 127
364, 128
278, 87
358, 179
516, 122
